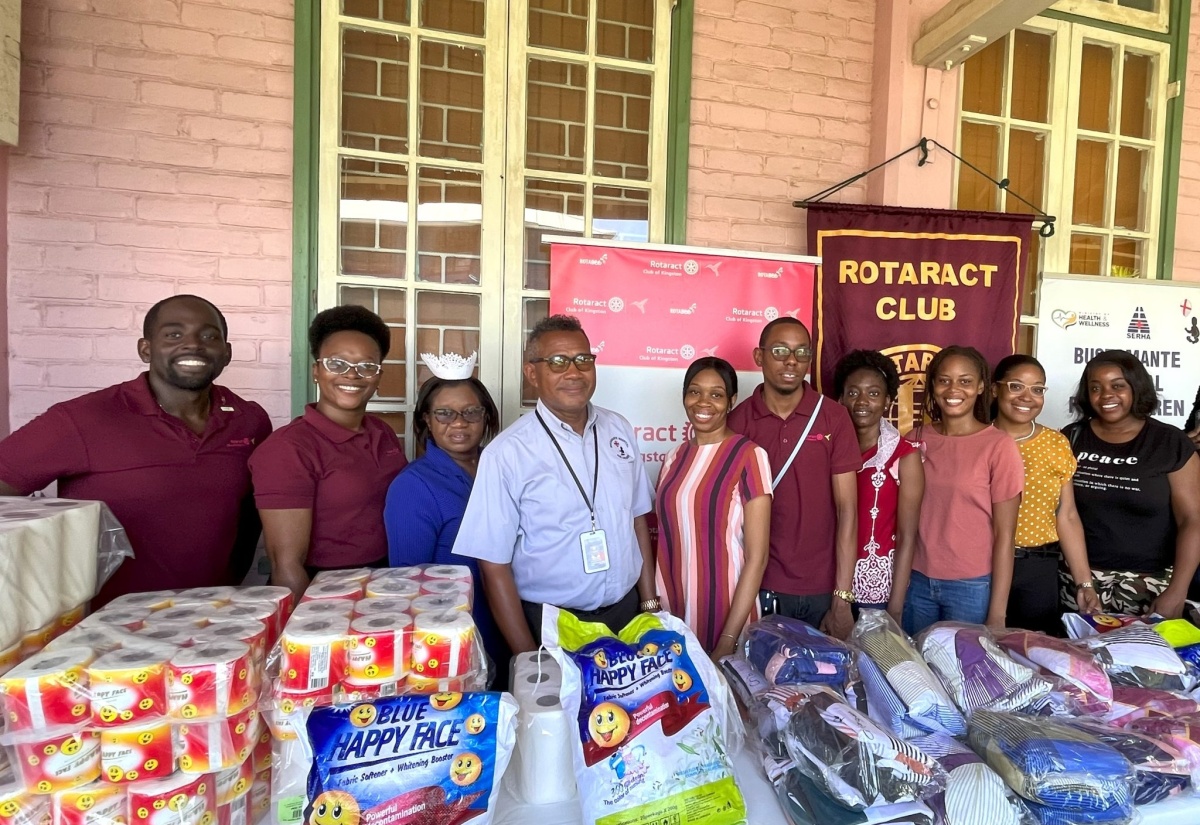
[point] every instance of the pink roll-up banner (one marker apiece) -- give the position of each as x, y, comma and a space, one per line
650, 310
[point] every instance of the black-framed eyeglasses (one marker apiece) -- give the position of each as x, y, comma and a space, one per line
1016, 388
780, 353
584, 362
472, 415
340, 366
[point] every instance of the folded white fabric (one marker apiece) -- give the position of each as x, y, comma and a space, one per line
976, 672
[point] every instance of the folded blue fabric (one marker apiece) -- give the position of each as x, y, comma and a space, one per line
791, 652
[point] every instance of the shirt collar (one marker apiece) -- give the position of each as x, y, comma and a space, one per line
331, 430
442, 460
556, 423
141, 400
808, 403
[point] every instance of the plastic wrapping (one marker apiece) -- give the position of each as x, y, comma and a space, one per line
653, 722
903, 694
1067, 776
977, 673
805, 803
1136, 655
1079, 674
1132, 703
542, 762
1083, 625
1163, 769
791, 652
974, 794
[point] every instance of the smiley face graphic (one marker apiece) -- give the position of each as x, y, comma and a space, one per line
475, 724
601, 659
335, 808
108, 714
371, 671
9, 808
677, 648
85, 802
608, 724
682, 680
445, 701
465, 769
362, 715
648, 649
150, 764
146, 703
72, 746
115, 772
78, 710
177, 801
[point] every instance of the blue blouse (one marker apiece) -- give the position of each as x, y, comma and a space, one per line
424, 509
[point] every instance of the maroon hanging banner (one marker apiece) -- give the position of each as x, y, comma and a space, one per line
908, 282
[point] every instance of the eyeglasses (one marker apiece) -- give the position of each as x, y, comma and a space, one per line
338, 366
1016, 388
584, 362
781, 353
472, 415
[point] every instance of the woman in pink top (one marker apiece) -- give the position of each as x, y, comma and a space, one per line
974, 477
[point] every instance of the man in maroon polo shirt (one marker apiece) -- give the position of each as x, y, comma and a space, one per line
166, 451
814, 459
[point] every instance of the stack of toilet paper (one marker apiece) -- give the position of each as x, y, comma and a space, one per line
544, 771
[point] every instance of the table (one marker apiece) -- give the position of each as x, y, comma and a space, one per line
1178, 810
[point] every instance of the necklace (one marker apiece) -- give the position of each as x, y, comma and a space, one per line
1027, 436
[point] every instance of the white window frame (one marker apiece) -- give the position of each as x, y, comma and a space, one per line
1157, 20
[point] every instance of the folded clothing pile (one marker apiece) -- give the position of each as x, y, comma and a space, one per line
1136, 655
1162, 769
1131, 703
1079, 675
788, 651
805, 803
977, 673
1183, 636
1067, 776
975, 794
903, 694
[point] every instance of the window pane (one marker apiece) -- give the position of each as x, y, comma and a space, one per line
555, 115
558, 24
1141, 5
1026, 168
980, 145
1091, 181
1096, 87
983, 80
1132, 165
393, 11
625, 28
1086, 251
395, 420
462, 16
446, 322
451, 101
390, 305
1127, 258
534, 310
1031, 68
622, 141
374, 91
449, 216
1135, 95
550, 208
621, 214
373, 215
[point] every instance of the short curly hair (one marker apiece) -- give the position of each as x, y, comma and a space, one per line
348, 318
549, 324
866, 359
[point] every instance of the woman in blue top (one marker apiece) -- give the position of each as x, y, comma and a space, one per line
425, 503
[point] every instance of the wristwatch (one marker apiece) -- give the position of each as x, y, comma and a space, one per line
650, 605
845, 595
1088, 585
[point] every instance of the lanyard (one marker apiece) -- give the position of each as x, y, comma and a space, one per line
595, 466
803, 436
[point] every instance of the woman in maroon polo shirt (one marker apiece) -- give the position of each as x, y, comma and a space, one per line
320, 482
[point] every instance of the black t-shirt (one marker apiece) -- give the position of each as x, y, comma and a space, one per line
1124, 496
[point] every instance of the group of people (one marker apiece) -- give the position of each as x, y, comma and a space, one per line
788, 502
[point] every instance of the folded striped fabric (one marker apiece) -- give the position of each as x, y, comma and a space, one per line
1130, 703
791, 652
1080, 676
976, 672
1162, 770
806, 803
927, 705
1181, 732
975, 794
1068, 775
1136, 655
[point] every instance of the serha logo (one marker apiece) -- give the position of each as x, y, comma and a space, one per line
1139, 325
1064, 318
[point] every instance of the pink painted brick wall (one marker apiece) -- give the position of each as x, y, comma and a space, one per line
154, 158
781, 108
1187, 219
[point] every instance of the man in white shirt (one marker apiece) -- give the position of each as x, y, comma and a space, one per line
557, 512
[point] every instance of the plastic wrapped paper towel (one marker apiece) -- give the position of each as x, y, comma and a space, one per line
544, 772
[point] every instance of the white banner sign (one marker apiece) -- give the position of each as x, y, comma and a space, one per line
1155, 320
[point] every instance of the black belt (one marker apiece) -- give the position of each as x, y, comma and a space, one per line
1042, 551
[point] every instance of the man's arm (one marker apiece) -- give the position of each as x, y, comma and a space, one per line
288, 534
505, 602
48, 448
647, 589
840, 620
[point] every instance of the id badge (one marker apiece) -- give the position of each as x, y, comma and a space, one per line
595, 551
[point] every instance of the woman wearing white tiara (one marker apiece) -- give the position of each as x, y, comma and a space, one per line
454, 417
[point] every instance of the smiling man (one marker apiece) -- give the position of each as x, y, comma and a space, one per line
166, 451
557, 513
814, 460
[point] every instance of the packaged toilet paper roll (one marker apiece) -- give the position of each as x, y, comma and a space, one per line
447, 587
217, 744
19, 806
260, 796
439, 604
367, 607
322, 607
127, 619
183, 613
443, 644
234, 783
129, 686
98, 803
10, 657
205, 596
248, 631
359, 575
137, 752
48, 690
535, 673
544, 731
59, 762
234, 813
70, 618
212, 679
419, 684
179, 635
260, 753
35, 640
313, 654
280, 599
333, 590
396, 573
177, 799
156, 600
379, 648
393, 588
448, 572
99, 640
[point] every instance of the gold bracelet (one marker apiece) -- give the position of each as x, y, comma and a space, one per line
730, 635
1085, 586
845, 595
648, 605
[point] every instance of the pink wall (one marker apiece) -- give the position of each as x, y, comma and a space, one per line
154, 158
1187, 220
3, 294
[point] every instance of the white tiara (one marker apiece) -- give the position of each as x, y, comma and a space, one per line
451, 366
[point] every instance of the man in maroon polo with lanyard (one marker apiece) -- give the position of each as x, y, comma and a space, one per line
814, 458
166, 451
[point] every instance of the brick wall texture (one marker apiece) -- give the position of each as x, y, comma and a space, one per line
155, 158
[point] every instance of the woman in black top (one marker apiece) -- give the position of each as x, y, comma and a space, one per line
1137, 488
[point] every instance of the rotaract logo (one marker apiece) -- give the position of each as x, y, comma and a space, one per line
615, 304
601, 261
911, 361
770, 314
691, 267
687, 352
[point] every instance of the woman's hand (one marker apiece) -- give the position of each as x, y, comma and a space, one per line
996, 621
1087, 600
725, 647
1169, 605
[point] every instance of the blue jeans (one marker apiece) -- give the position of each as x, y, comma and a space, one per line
945, 600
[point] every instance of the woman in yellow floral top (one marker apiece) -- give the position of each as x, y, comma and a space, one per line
1049, 533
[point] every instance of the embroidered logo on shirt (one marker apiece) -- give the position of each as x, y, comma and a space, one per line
621, 447
820, 437
240, 442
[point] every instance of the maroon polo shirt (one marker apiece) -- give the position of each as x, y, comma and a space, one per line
803, 557
341, 475
179, 495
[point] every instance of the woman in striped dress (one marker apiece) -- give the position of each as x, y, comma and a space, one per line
714, 515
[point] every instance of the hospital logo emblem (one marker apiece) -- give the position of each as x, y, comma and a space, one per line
1139, 325
621, 447
1064, 318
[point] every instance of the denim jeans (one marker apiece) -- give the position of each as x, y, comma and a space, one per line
945, 600
811, 609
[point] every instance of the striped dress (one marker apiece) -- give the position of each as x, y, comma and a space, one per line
702, 494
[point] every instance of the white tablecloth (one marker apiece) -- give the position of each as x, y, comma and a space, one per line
1178, 810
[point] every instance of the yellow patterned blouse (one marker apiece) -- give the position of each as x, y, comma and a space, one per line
1049, 464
